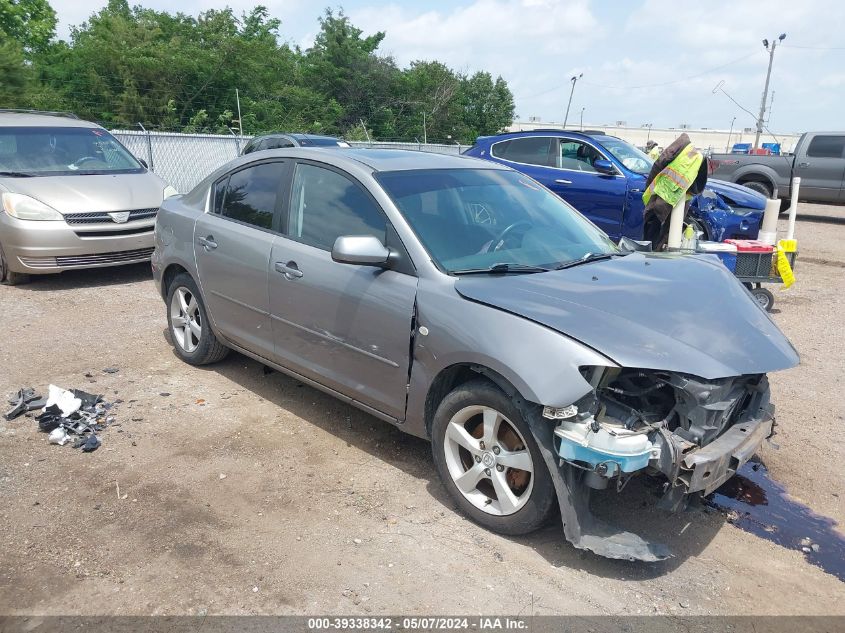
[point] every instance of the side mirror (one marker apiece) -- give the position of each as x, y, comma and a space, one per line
604, 167
364, 250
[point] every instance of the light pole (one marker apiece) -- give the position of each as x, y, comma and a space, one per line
574, 79
648, 134
728, 146
771, 50
582, 119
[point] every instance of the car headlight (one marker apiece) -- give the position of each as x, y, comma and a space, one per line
169, 191
24, 207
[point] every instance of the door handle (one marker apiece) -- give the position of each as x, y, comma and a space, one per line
289, 270
207, 243
803, 164
561, 181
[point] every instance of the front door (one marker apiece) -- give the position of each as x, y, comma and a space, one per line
233, 243
600, 197
822, 167
343, 325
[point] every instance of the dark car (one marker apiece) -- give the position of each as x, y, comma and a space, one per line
285, 139
604, 178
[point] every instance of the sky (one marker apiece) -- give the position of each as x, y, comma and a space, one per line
643, 61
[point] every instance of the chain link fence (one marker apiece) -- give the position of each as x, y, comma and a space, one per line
183, 160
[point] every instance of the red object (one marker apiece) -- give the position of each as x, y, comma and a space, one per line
751, 246
761, 151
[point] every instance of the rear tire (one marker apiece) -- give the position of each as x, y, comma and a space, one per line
489, 462
759, 187
7, 277
187, 321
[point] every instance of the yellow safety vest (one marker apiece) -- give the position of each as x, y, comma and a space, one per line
673, 182
654, 153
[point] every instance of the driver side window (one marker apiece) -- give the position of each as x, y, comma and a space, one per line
577, 156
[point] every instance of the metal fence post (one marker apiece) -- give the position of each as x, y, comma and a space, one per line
149, 146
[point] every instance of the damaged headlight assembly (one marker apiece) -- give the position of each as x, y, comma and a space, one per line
691, 433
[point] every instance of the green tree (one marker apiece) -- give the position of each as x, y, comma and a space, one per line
31, 22
15, 81
488, 106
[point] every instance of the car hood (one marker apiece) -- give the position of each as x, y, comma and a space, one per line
679, 313
737, 195
80, 194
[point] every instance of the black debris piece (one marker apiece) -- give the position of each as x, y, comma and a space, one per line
91, 444
50, 419
24, 400
164, 394
88, 399
111, 370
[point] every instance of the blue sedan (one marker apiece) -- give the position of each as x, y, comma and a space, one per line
604, 178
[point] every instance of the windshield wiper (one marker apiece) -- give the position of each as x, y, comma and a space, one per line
17, 174
503, 267
589, 257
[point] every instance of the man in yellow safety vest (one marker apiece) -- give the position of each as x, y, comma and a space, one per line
680, 171
651, 150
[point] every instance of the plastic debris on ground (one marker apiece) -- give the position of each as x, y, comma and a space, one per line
70, 416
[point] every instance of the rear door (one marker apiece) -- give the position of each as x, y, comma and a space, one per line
233, 243
345, 326
821, 167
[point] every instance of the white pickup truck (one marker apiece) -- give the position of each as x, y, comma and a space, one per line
819, 159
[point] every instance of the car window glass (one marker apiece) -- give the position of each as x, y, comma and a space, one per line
325, 205
531, 150
220, 194
251, 194
826, 147
577, 156
277, 143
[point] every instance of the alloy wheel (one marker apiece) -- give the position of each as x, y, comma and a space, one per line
185, 319
488, 460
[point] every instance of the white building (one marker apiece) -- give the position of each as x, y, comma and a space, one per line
703, 138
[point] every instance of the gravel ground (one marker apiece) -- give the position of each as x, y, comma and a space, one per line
242, 492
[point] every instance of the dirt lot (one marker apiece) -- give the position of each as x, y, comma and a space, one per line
250, 493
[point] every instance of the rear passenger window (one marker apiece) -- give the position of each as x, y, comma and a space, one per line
250, 194
531, 150
325, 205
827, 147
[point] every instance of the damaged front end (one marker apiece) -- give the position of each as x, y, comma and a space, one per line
690, 433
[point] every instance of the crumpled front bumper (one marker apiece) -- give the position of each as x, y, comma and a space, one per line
710, 466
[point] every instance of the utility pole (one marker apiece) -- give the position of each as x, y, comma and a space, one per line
582, 119
574, 80
728, 145
762, 115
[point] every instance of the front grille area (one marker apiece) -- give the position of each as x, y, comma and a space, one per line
67, 261
103, 216
123, 232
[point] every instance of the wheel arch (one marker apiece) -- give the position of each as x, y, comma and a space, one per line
764, 175
170, 274
458, 374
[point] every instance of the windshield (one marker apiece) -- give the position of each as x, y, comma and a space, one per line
470, 219
46, 151
628, 155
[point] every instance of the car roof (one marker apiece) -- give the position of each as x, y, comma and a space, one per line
375, 159
539, 132
34, 119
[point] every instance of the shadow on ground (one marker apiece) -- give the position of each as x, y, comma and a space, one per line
88, 278
686, 534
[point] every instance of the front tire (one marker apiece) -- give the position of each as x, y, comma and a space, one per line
489, 461
187, 320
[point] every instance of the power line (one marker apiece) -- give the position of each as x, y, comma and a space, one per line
676, 81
